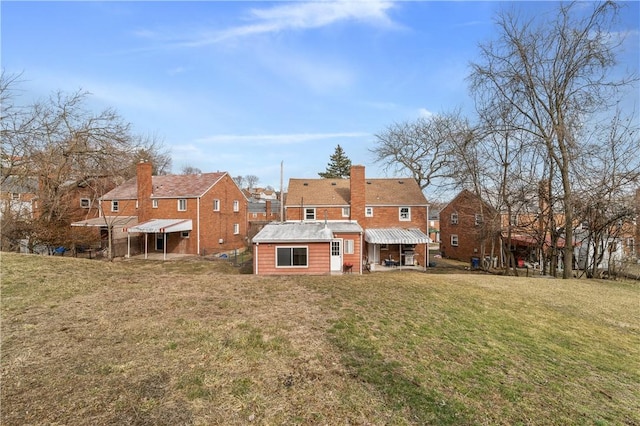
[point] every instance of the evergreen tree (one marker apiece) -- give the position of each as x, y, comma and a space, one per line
339, 166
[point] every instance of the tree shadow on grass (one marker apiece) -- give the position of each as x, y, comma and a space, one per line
403, 394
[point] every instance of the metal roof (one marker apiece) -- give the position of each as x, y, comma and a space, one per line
293, 232
350, 227
104, 221
163, 226
396, 236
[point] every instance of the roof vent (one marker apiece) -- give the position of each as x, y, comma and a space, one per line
401, 182
333, 183
368, 182
305, 184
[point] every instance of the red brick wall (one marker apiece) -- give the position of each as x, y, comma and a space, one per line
470, 235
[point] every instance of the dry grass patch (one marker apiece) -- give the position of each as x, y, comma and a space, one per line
193, 342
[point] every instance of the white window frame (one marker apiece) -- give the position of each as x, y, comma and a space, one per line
349, 246
15, 196
85, 203
154, 203
513, 220
404, 216
310, 213
454, 218
292, 257
115, 205
346, 211
216, 205
184, 234
236, 228
368, 212
236, 205
182, 204
454, 240
479, 219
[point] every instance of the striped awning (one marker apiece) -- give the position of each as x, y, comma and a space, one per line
162, 226
396, 236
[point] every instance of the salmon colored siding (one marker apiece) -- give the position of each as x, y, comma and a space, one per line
356, 258
319, 259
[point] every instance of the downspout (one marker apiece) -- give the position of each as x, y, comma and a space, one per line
198, 225
129, 245
361, 248
426, 250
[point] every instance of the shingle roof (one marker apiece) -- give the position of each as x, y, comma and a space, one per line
293, 232
168, 186
378, 192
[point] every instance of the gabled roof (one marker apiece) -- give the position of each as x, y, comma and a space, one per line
168, 186
337, 192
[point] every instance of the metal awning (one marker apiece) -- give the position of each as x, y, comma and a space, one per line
105, 221
396, 236
162, 226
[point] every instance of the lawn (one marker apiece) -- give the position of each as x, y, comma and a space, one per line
194, 342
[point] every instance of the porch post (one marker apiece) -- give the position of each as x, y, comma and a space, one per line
145, 246
164, 246
128, 245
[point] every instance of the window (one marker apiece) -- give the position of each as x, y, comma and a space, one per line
236, 228
15, 196
454, 218
335, 248
309, 214
216, 205
236, 205
85, 203
479, 219
182, 205
454, 240
405, 213
631, 243
154, 203
368, 211
115, 206
513, 220
291, 257
346, 211
349, 246
184, 234
254, 215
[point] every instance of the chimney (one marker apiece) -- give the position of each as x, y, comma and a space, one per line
145, 189
357, 187
267, 208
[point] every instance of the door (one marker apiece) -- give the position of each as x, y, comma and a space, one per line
159, 242
336, 255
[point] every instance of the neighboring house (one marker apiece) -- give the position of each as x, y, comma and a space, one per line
355, 220
16, 198
469, 229
180, 214
260, 213
434, 225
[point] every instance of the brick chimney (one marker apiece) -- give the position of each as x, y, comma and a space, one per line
145, 189
267, 209
357, 187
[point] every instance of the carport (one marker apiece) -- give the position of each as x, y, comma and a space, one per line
404, 239
158, 226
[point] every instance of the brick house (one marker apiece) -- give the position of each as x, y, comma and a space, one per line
375, 221
181, 214
469, 229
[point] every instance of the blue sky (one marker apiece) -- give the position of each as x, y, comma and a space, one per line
243, 86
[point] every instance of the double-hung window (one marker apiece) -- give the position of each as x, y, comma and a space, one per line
346, 211
405, 213
368, 211
236, 205
479, 219
236, 228
182, 205
349, 246
154, 203
216, 205
115, 206
454, 218
454, 240
292, 257
310, 214
85, 203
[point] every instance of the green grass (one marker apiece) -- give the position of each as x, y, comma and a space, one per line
188, 342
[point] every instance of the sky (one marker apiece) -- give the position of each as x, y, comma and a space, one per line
244, 87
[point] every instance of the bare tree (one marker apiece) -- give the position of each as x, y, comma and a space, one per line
190, 170
65, 148
239, 181
251, 180
554, 72
423, 147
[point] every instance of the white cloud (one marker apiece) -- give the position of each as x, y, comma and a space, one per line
424, 113
290, 16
